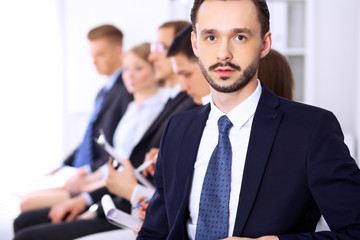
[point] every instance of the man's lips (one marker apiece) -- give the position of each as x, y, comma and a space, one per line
224, 71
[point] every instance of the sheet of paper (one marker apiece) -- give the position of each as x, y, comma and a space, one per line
112, 152
117, 217
102, 141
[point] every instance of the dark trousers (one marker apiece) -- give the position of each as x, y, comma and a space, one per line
35, 224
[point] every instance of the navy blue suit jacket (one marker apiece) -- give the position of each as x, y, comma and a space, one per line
297, 167
110, 114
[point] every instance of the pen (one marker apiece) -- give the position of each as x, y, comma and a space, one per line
143, 201
143, 166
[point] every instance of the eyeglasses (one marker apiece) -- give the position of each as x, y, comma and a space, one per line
158, 46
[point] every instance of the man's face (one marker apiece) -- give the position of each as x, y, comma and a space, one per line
191, 78
228, 43
162, 64
106, 56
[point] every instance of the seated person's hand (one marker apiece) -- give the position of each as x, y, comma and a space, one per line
151, 156
142, 212
142, 208
69, 208
86, 216
138, 227
52, 172
75, 183
122, 182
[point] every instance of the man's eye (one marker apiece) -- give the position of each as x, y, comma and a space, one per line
240, 38
211, 38
187, 75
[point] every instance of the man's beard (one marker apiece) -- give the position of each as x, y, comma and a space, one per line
241, 82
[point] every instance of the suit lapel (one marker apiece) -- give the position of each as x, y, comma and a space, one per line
109, 96
168, 109
264, 128
188, 152
191, 136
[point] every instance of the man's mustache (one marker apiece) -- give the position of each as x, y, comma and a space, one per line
226, 64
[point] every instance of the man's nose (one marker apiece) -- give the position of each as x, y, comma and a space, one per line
224, 52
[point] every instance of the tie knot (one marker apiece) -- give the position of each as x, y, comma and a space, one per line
224, 124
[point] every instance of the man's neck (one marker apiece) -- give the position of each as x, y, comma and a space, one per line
228, 101
117, 70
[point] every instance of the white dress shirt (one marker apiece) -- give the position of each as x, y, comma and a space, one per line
136, 120
241, 117
170, 92
140, 190
174, 91
133, 125
206, 99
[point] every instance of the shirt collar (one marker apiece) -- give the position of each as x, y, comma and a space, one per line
242, 112
206, 99
174, 91
155, 99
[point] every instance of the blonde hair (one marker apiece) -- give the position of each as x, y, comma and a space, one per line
142, 51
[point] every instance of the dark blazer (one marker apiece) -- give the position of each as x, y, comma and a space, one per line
112, 109
151, 139
297, 167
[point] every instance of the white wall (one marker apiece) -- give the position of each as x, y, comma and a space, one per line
31, 83
31, 80
334, 44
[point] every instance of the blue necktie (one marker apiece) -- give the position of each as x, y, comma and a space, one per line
84, 154
213, 219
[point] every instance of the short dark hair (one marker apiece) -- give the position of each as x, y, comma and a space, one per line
182, 45
176, 25
109, 31
261, 6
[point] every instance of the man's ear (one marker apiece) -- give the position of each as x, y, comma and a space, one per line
194, 44
266, 45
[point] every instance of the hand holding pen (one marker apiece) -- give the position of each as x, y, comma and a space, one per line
142, 204
152, 157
